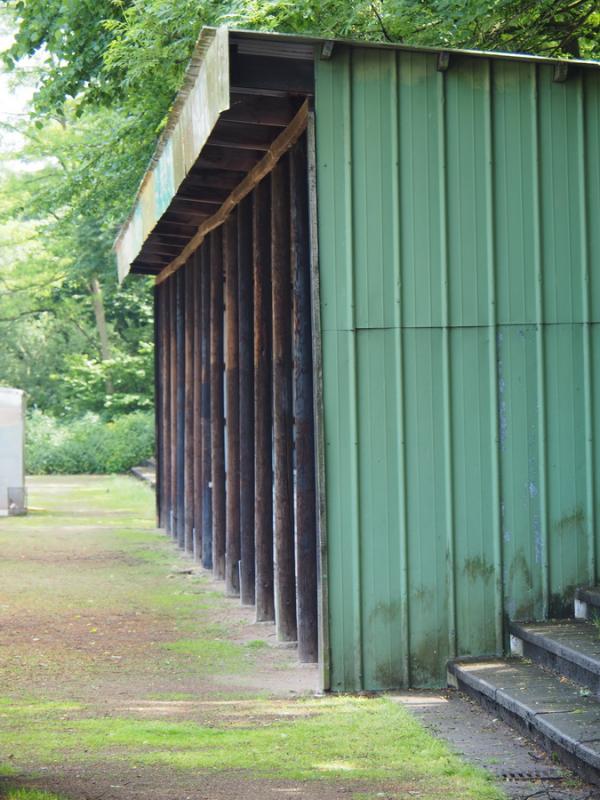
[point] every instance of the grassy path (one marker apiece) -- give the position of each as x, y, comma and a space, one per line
125, 673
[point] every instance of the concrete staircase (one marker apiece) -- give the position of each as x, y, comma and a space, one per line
550, 686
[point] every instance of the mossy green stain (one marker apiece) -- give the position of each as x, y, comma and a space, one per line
477, 567
570, 522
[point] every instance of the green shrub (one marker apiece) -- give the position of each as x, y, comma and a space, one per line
88, 444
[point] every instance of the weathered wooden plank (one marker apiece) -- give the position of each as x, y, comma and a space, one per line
158, 403
204, 419
263, 441
285, 582
173, 409
180, 410
246, 392
196, 390
232, 400
217, 420
188, 520
304, 486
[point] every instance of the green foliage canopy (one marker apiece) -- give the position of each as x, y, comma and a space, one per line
108, 73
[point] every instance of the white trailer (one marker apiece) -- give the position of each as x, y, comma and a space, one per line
12, 452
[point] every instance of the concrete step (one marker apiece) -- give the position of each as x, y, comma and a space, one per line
547, 708
569, 647
587, 602
145, 474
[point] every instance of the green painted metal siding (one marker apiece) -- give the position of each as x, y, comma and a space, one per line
459, 237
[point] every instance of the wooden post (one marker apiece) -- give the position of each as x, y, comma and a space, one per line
197, 400
188, 520
217, 422
263, 442
180, 423
173, 404
158, 403
232, 390
285, 581
246, 395
305, 496
207, 534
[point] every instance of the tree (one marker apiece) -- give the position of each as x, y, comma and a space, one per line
109, 72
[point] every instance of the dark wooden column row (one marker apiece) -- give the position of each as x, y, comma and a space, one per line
246, 403
263, 419
190, 361
217, 412
235, 426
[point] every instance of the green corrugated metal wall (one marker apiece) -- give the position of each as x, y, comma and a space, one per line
459, 236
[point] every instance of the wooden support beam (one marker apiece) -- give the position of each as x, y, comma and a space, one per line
263, 442
280, 146
253, 110
158, 404
188, 519
285, 581
240, 136
217, 420
304, 486
246, 394
232, 405
196, 391
272, 73
227, 159
180, 410
204, 419
212, 178
173, 405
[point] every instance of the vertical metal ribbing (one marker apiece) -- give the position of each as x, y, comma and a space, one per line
203, 358
217, 421
263, 443
493, 372
188, 519
195, 389
180, 393
232, 405
246, 400
173, 405
285, 580
404, 632
304, 485
447, 379
322, 576
353, 410
541, 530
586, 290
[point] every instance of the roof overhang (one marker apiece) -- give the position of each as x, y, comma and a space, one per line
236, 114
242, 104
204, 96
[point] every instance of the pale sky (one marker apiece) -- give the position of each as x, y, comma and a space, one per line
14, 97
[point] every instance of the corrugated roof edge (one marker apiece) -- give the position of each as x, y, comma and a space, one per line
205, 39
291, 37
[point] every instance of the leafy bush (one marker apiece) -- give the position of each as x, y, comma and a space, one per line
88, 444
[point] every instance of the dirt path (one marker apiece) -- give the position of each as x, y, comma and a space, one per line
125, 673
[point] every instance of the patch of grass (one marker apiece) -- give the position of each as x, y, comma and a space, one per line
6, 771
31, 707
30, 794
331, 738
214, 655
257, 644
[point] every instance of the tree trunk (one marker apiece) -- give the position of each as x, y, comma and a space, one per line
98, 304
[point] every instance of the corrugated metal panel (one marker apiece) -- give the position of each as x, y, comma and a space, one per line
459, 257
